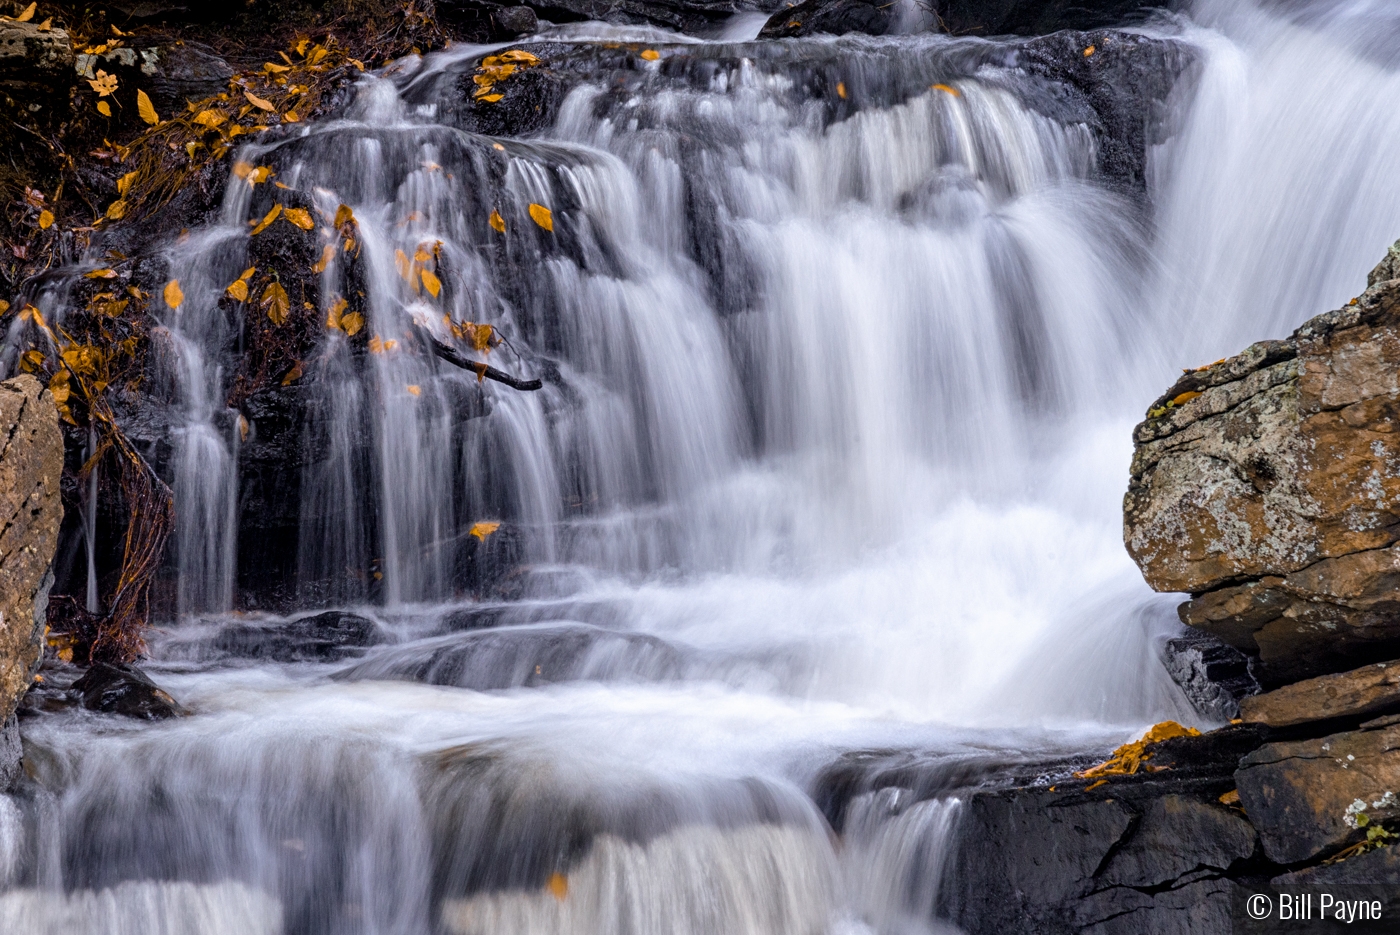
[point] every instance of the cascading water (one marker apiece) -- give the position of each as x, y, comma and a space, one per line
838, 393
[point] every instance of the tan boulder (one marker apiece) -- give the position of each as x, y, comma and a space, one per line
1268, 486
1361, 693
31, 465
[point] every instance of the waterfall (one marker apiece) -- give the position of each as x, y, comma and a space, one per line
841, 343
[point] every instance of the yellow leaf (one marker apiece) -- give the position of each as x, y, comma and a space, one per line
352, 323
946, 89
242, 427
421, 256
480, 336
376, 345
542, 216
275, 301
146, 109
248, 273
267, 219
238, 289
104, 84
1090, 51
403, 264
497, 222
210, 118
327, 254
124, 183
557, 884
1184, 398
261, 174
274, 68
333, 313
116, 210
519, 57
59, 387
45, 219
104, 108
431, 282
4, 306
301, 46
100, 274
841, 90
174, 296
343, 216
259, 102
242, 169
28, 13
490, 98
46, 25
292, 375
414, 389
317, 54
301, 218
651, 55
30, 313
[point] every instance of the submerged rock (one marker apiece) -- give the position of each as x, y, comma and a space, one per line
124, 690
1268, 485
324, 637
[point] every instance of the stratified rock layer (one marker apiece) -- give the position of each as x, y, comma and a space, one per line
31, 463
1268, 485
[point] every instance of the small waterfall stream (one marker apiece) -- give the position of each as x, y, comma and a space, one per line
841, 343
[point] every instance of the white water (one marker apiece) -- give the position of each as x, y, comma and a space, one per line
859, 489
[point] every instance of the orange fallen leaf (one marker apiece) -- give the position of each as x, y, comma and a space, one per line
45, 219
146, 109
542, 216
946, 89
259, 102
651, 55
431, 282
103, 273
28, 13
275, 301
1090, 51
238, 289
414, 389
841, 90
1184, 398
209, 118
124, 183
343, 216
481, 531
173, 295
116, 210
300, 217
497, 222
104, 108
267, 219
104, 84
292, 375
327, 254
351, 323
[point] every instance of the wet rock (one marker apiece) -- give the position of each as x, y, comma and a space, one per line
1268, 485
184, 72
1378, 866
1362, 693
511, 657
1304, 796
324, 637
31, 511
1214, 675
516, 20
125, 690
958, 17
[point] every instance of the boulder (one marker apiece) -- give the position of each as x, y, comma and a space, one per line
30, 54
1359, 694
31, 511
125, 690
1268, 486
184, 72
1311, 798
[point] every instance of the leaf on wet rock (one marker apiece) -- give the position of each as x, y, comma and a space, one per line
267, 219
102, 273
333, 319
431, 282
403, 264
300, 217
327, 254
173, 294
104, 84
841, 90
104, 108
651, 55
378, 345
238, 289
481, 531
946, 89
343, 216
542, 216
210, 118
276, 303
259, 103
497, 222
116, 210
414, 389
45, 219
146, 109
351, 323
292, 375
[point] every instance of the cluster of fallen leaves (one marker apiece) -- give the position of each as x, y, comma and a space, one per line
497, 68
1133, 757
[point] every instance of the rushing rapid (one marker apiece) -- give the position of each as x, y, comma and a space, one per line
836, 416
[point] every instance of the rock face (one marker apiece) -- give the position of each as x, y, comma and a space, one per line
1363, 693
31, 463
957, 17
1215, 677
29, 53
1268, 486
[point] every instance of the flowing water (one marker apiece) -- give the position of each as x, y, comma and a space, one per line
836, 418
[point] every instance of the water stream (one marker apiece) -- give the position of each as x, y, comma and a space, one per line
836, 420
